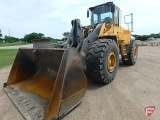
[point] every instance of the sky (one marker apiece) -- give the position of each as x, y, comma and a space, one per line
53, 17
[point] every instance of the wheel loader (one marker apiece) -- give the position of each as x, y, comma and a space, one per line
46, 83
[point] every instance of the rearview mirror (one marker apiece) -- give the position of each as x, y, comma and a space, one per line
87, 13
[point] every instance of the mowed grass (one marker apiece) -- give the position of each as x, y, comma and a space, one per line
7, 57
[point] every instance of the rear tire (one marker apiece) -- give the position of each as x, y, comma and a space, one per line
132, 55
103, 60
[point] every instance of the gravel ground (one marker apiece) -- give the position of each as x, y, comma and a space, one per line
16, 47
125, 98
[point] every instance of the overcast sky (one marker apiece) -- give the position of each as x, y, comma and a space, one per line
53, 17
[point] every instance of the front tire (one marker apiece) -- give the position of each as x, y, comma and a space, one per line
103, 60
132, 55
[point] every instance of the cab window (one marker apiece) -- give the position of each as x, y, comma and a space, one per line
117, 17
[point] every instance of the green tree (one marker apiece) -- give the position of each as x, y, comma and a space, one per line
145, 37
66, 34
31, 36
52, 39
0, 33
1, 40
10, 39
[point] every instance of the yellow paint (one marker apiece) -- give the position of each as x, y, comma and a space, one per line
135, 52
123, 49
83, 54
40, 85
123, 36
111, 61
83, 35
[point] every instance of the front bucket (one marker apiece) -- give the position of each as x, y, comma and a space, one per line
46, 84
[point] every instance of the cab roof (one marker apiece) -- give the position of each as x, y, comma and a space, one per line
109, 3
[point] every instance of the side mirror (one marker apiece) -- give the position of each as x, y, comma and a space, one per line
113, 8
87, 13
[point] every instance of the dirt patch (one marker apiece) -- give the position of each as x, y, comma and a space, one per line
7, 109
16, 47
134, 88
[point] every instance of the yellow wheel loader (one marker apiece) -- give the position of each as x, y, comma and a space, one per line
46, 83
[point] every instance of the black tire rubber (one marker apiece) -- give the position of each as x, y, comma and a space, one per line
131, 60
96, 60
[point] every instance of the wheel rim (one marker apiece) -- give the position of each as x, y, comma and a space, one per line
111, 62
135, 52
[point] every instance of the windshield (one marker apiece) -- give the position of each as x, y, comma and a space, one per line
101, 14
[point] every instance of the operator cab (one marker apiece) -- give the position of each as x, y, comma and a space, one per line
104, 13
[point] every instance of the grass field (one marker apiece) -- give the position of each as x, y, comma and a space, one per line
13, 44
7, 57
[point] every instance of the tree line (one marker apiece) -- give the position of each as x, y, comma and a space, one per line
145, 37
27, 38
